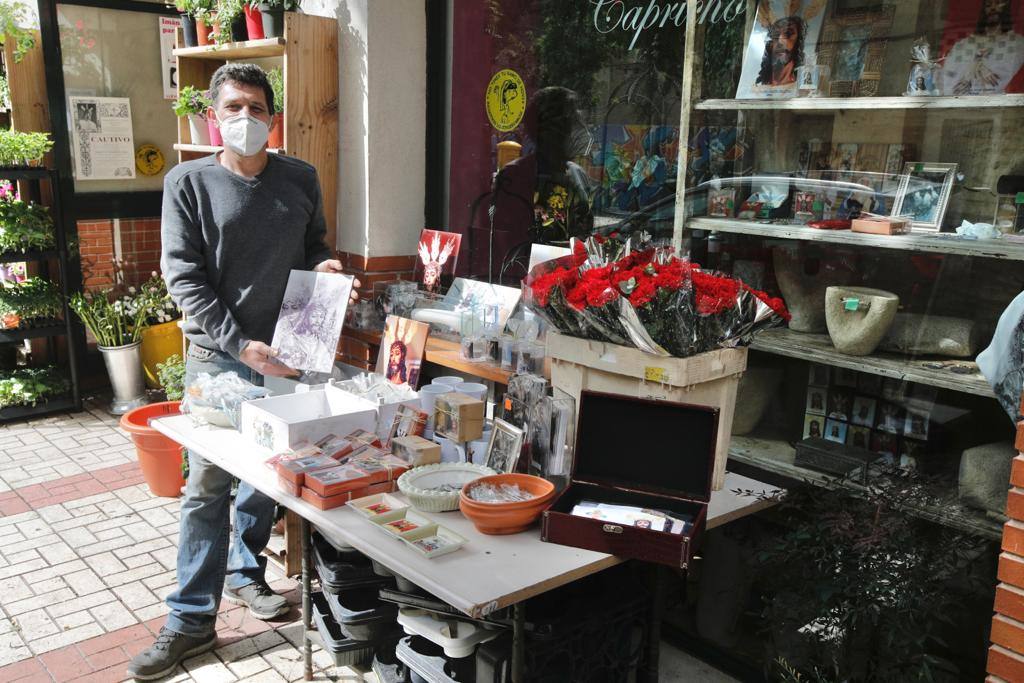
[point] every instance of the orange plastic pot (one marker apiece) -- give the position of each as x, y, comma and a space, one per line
203, 31
507, 518
159, 457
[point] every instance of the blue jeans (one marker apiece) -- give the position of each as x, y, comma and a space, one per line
205, 562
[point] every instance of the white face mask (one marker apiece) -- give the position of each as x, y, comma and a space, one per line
244, 135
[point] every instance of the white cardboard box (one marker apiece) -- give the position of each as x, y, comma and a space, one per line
282, 422
385, 411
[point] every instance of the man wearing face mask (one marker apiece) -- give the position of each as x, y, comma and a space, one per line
234, 225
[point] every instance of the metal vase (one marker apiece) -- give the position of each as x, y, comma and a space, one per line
124, 367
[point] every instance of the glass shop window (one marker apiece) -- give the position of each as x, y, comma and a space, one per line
117, 54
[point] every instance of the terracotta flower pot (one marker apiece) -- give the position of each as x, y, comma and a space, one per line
253, 23
276, 140
203, 31
159, 457
507, 518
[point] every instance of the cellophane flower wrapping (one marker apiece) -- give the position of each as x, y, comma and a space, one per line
649, 299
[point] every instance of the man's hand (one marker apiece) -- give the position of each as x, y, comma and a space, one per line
333, 265
260, 358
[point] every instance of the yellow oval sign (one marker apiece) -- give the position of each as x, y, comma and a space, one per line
149, 159
506, 100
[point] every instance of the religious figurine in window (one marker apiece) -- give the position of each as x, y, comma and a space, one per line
783, 38
989, 60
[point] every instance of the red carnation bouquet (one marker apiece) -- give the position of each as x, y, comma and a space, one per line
649, 299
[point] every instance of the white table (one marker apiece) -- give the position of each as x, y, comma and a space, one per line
487, 574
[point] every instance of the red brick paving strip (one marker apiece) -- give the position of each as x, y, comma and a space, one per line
105, 658
69, 488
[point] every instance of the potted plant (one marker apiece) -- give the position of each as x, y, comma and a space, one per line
23, 149
31, 386
194, 103
276, 78
229, 26
14, 16
253, 19
162, 337
194, 26
117, 324
32, 302
172, 377
24, 226
272, 12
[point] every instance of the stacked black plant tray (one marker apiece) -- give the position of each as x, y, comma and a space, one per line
353, 623
69, 281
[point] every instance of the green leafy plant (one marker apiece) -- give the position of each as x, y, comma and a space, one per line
857, 589
226, 12
23, 149
171, 374
5, 93
30, 386
191, 100
32, 300
24, 226
276, 78
154, 295
112, 320
13, 18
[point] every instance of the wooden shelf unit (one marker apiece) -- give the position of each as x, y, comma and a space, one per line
935, 243
308, 55
818, 348
841, 103
777, 457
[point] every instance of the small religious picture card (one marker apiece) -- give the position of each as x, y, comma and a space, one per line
864, 411
505, 447
816, 400
401, 350
309, 325
859, 437
916, 424
818, 375
806, 206
835, 431
722, 203
840, 403
437, 256
813, 426
890, 418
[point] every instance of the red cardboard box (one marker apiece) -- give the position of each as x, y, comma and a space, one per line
296, 470
364, 437
339, 479
337, 447
382, 467
881, 225
287, 485
674, 475
304, 452
330, 502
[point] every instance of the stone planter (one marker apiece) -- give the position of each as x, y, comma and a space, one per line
857, 328
803, 281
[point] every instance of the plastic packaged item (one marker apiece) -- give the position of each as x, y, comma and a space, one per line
457, 638
339, 499
416, 450
344, 651
295, 470
500, 493
336, 447
361, 614
304, 452
509, 353
530, 359
473, 349
338, 479
218, 399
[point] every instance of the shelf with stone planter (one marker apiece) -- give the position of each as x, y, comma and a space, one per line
954, 374
777, 457
935, 243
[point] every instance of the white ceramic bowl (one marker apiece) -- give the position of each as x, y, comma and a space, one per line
417, 483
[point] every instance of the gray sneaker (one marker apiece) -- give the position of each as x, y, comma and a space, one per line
166, 653
262, 602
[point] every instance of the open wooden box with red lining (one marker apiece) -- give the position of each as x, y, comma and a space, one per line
649, 454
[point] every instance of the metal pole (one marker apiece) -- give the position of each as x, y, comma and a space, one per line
307, 603
518, 643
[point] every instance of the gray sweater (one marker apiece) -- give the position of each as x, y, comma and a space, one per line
229, 243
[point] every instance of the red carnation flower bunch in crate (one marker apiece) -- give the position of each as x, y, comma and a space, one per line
649, 299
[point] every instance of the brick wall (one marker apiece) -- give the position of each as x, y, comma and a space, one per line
140, 251
353, 350
1006, 654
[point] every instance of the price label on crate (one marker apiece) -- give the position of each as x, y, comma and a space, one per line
655, 374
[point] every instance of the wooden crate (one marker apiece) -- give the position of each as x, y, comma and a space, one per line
308, 57
708, 379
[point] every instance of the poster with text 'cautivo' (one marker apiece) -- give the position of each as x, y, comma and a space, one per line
101, 138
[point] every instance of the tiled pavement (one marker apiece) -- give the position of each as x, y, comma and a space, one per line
87, 556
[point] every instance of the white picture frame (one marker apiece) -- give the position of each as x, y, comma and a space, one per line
504, 447
922, 196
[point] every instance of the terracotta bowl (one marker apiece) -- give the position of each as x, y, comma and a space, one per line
507, 518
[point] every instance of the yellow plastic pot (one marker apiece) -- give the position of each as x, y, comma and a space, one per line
159, 342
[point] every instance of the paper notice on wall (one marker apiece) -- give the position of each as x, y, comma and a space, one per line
101, 138
168, 63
